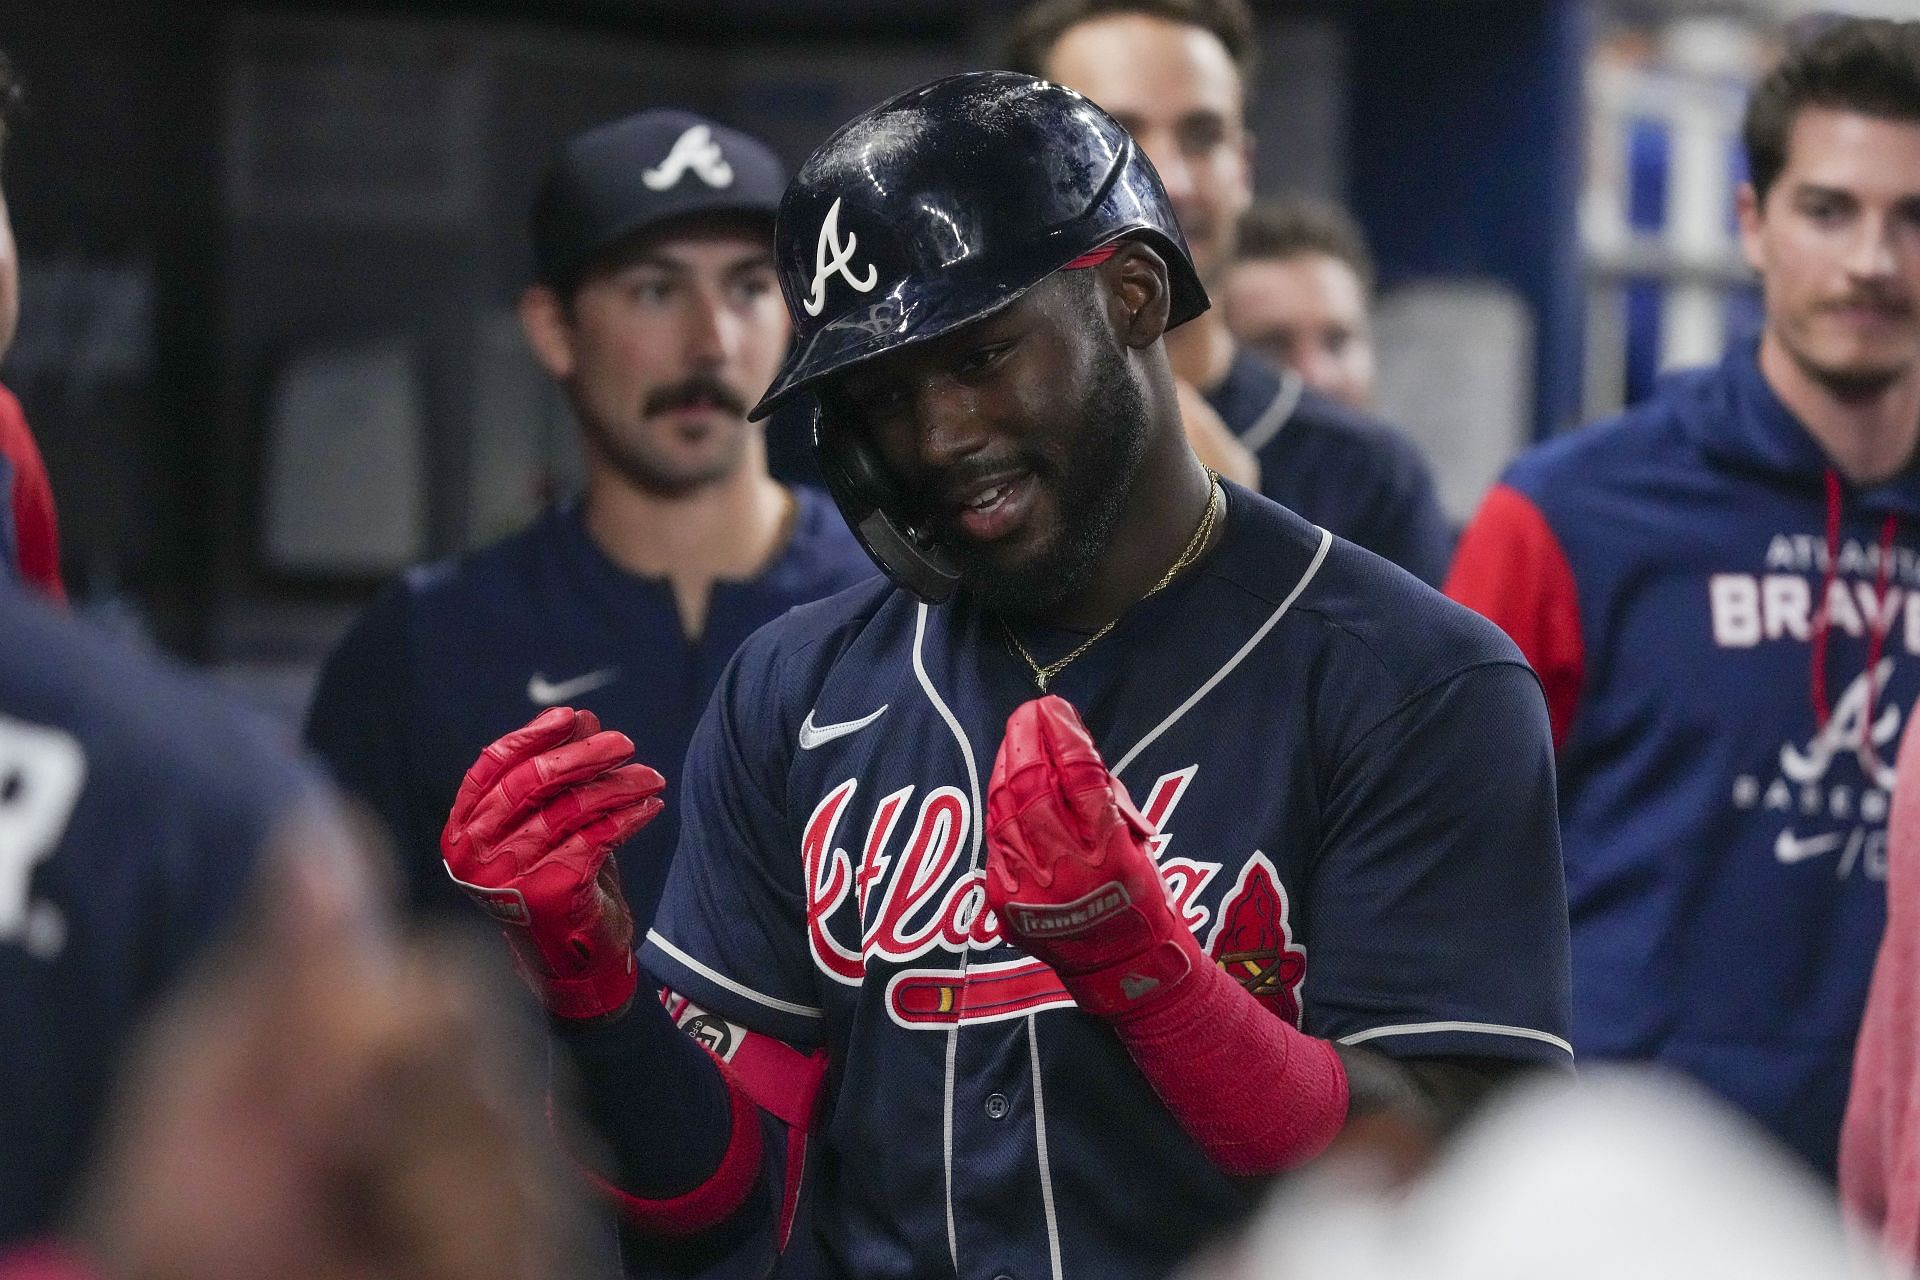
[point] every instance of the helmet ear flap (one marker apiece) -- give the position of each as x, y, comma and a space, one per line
870, 500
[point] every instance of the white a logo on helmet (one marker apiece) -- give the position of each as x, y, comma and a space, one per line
694, 151
831, 257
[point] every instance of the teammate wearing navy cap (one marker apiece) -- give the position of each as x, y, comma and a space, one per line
1176, 73
1051, 982
656, 309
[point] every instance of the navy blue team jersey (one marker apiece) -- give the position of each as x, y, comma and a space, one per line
1343, 470
133, 806
1351, 781
459, 653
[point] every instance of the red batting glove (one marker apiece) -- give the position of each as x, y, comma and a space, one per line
1068, 871
530, 839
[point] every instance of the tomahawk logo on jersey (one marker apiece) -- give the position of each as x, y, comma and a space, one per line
1327, 818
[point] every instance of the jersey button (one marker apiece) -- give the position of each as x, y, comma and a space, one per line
997, 1110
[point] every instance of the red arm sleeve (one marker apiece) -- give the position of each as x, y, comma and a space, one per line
1510, 568
1879, 1145
46, 1261
36, 533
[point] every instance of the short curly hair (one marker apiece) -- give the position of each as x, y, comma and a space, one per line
1041, 25
1870, 66
1289, 226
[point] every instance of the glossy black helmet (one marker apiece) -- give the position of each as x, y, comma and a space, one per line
941, 206
931, 211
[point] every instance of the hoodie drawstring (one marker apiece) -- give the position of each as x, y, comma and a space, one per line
1878, 623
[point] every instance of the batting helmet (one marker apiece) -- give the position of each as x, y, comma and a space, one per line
934, 210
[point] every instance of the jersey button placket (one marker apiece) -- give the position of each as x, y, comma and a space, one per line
996, 1109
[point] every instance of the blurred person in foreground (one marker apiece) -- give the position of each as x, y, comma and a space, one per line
29, 532
657, 311
1717, 590
1176, 73
1624, 1174
322, 1100
1300, 291
1880, 1139
134, 805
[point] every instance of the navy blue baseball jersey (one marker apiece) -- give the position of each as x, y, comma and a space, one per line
1351, 784
459, 653
133, 806
1349, 473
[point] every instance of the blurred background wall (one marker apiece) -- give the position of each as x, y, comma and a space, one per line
269, 251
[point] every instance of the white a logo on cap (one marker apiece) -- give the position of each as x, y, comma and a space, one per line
696, 150
831, 257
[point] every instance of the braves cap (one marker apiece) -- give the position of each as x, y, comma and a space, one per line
625, 176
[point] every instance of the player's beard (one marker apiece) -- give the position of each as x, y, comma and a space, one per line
1091, 479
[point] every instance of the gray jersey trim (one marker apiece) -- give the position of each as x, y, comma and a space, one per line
1277, 414
1319, 557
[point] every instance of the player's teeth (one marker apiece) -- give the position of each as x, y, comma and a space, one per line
988, 498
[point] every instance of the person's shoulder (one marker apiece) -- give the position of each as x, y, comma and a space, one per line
484, 570
1363, 442
1617, 450
16, 438
13, 418
788, 660
824, 548
454, 591
821, 629
136, 715
1397, 633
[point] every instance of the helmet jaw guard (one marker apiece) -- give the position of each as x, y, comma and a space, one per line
869, 502
932, 211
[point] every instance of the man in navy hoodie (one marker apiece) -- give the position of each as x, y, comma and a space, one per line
1718, 591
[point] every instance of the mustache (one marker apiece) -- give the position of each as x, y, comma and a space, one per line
699, 390
1879, 298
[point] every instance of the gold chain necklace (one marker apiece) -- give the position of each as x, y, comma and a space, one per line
1043, 675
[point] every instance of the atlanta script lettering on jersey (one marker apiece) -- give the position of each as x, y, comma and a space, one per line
927, 899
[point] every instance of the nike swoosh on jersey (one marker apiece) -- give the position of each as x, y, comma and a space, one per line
544, 693
818, 735
1789, 848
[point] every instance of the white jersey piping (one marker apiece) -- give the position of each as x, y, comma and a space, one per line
1326, 541
973, 864
1040, 1144
1478, 1028
1277, 414
722, 980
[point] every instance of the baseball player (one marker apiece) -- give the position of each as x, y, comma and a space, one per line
1127, 845
133, 809
29, 531
1176, 73
657, 311
1717, 589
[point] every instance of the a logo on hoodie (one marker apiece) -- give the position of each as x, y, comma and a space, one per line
1859, 727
